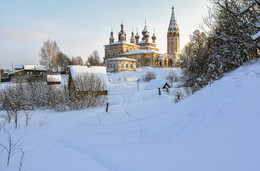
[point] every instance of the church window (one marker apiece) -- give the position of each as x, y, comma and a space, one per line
122, 65
126, 66
108, 55
131, 66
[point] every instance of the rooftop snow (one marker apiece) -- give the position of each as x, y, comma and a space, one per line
35, 67
122, 58
116, 43
98, 71
18, 66
53, 78
140, 51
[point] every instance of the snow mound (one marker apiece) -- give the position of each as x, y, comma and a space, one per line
155, 84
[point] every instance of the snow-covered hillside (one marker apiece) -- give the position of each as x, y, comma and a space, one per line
216, 129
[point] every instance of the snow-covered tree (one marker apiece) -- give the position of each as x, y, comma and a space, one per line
197, 58
232, 24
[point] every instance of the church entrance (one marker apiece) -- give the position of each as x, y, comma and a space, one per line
170, 62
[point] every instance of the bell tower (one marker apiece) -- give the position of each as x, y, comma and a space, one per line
173, 41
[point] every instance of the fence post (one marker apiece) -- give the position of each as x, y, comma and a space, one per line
107, 107
159, 89
138, 84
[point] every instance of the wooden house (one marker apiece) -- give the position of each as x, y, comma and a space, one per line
28, 73
76, 72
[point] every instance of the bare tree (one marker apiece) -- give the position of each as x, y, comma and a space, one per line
62, 61
76, 60
11, 147
21, 160
94, 59
28, 115
172, 77
48, 54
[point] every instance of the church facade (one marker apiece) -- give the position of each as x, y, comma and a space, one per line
126, 56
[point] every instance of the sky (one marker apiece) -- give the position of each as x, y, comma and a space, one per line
81, 26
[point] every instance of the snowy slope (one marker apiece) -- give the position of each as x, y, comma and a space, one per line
216, 129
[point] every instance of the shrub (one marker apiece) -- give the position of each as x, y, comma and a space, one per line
172, 77
149, 76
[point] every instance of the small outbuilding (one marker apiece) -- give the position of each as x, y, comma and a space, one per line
76, 71
155, 84
53, 79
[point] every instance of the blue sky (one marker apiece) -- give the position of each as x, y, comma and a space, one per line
82, 26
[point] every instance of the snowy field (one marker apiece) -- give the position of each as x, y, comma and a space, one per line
216, 129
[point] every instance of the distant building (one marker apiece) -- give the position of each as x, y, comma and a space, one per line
28, 73
173, 42
143, 51
121, 64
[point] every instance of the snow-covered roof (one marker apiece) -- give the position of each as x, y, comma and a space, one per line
121, 59
140, 51
155, 84
14, 71
143, 41
162, 56
98, 71
18, 66
53, 78
116, 43
35, 67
